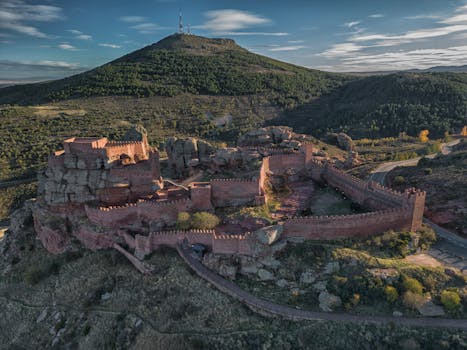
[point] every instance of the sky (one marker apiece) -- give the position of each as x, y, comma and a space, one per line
49, 39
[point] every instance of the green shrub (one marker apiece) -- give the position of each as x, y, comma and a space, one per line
451, 300
391, 294
183, 220
399, 180
412, 285
204, 220
427, 171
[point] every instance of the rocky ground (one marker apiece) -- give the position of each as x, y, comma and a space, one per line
445, 181
97, 300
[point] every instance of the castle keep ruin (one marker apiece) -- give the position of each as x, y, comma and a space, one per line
111, 194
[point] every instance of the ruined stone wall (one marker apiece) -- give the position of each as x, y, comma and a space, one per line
345, 226
136, 150
200, 194
221, 244
234, 192
150, 212
280, 163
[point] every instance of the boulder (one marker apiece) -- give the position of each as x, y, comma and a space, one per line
307, 277
430, 309
328, 301
345, 142
265, 275
269, 235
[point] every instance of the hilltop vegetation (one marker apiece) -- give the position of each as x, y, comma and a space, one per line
186, 64
379, 106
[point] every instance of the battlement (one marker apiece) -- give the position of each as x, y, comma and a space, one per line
234, 180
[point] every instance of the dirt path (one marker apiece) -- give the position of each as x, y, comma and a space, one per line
268, 308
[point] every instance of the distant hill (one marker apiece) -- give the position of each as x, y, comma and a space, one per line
183, 63
449, 69
199, 81
385, 105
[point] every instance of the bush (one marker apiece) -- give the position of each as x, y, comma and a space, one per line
412, 300
391, 294
183, 221
450, 300
399, 180
427, 171
204, 220
412, 285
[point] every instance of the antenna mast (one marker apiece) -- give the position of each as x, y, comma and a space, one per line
180, 23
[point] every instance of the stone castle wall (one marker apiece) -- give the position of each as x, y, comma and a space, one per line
234, 192
221, 244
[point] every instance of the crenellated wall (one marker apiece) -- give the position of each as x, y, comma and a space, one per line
164, 212
221, 244
234, 192
345, 226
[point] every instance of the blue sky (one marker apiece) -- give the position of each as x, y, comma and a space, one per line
45, 39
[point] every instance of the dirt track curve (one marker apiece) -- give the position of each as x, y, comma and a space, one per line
268, 308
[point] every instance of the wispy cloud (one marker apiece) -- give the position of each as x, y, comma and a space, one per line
287, 48
68, 47
231, 20
132, 19
41, 64
147, 28
74, 31
376, 15
351, 24
341, 50
113, 46
401, 60
84, 37
295, 41
14, 15
254, 33
423, 16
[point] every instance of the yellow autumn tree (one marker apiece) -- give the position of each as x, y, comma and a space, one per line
464, 131
423, 136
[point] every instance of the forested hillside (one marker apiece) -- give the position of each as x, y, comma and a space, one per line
186, 64
386, 105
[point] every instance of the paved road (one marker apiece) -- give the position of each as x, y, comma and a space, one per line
268, 308
451, 249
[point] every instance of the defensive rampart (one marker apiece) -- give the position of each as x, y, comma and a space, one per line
221, 244
234, 192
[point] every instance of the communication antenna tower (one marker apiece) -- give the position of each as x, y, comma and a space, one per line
180, 23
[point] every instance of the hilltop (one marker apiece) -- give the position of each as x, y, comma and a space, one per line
180, 64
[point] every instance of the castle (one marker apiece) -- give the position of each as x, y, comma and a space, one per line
108, 194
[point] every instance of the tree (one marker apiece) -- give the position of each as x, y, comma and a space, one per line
423, 136
412, 285
450, 300
391, 294
183, 221
464, 131
204, 220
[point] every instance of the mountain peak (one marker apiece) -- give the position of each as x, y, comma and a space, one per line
195, 43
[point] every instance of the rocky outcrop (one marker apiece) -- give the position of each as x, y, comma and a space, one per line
328, 301
182, 151
269, 135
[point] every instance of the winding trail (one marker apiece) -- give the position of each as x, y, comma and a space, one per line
450, 248
267, 308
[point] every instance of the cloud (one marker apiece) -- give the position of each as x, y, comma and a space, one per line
74, 31
147, 28
41, 64
231, 20
423, 16
295, 41
84, 37
351, 24
14, 15
287, 48
376, 15
132, 19
65, 46
254, 33
113, 46
401, 60
342, 49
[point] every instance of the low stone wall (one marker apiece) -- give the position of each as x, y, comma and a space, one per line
234, 192
346, 226
221, 244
